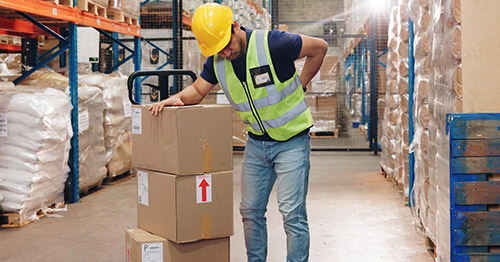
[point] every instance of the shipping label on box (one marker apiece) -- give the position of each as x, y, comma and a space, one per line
186, 208
183, 140
142, 246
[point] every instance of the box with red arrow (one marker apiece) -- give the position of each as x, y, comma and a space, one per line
185, 208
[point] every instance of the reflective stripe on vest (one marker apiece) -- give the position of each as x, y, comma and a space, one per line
273, 97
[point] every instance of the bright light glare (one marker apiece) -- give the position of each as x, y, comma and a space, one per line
378, 5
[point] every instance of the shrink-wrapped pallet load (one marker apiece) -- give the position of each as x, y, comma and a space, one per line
445, 60
390, 138
34, 149
131, 7
424, 196
92, 161
117, 121
91, 137
402, 126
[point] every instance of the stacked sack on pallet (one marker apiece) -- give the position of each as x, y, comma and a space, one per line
251, 16
34, 146
92, 158
446, 96
402, 126
92, 152
424, 196
390, 137
117, 121
437, 91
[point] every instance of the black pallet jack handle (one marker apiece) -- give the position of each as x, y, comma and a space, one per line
163, 84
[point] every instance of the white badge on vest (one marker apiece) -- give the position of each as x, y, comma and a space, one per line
261, 76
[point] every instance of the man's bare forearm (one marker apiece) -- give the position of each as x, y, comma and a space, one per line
190, 95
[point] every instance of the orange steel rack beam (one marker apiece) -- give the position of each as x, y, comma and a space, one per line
10, 26
70, 14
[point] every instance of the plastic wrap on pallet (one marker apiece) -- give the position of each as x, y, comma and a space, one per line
423, 192
191, 5
445, 94
103, 3
10, 65
91, 137
402, 125
391, 114
34, 149
324, 112
115, 4
47, 78
131, 7
323, 86
117, 120
252, 16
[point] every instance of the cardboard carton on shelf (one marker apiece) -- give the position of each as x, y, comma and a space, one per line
142, 246
183, 140
185, 208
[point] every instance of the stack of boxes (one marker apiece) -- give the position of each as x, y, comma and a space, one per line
184, 162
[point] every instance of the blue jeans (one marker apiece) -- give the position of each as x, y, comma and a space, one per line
265, 162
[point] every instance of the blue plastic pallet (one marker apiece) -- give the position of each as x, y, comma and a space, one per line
474, 156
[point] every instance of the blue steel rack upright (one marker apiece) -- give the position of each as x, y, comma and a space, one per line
24, 10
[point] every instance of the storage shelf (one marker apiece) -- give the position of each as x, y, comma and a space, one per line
10, 47
53, 14
32, 18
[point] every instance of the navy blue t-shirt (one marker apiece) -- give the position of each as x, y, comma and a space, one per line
284, 49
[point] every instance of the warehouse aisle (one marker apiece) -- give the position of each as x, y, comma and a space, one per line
354, 214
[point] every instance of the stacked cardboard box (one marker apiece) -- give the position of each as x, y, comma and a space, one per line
185, 183
324, 112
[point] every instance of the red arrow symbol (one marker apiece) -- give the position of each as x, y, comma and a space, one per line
204, 186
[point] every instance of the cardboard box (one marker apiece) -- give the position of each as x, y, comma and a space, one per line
146, 247
143, 246
183, 140
185, 208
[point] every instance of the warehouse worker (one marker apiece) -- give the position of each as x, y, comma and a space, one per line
257, 73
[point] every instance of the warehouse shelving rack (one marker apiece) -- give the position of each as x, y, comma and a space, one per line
358, 56
31, 18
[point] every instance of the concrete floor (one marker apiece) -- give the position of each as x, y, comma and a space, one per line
354, 214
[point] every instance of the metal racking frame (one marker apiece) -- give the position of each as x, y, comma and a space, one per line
23, 20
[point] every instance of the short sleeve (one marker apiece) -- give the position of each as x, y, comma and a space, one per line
208, 72
284, 45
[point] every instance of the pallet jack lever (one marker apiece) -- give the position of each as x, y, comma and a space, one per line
163, 85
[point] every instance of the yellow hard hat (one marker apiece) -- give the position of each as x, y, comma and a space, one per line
211, 26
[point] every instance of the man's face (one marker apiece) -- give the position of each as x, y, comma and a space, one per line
233, 49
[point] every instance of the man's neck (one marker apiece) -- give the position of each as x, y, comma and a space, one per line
243, 35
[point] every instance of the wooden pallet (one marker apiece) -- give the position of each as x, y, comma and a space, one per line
61, 2
91, 189
325, 134
93, 8
120, 16
386, 175
119, 178
9, 220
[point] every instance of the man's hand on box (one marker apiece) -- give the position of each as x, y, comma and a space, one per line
156, 108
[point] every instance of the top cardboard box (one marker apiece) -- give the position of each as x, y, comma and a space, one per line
183, 140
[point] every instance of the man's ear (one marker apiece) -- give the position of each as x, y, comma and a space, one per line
236, 26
